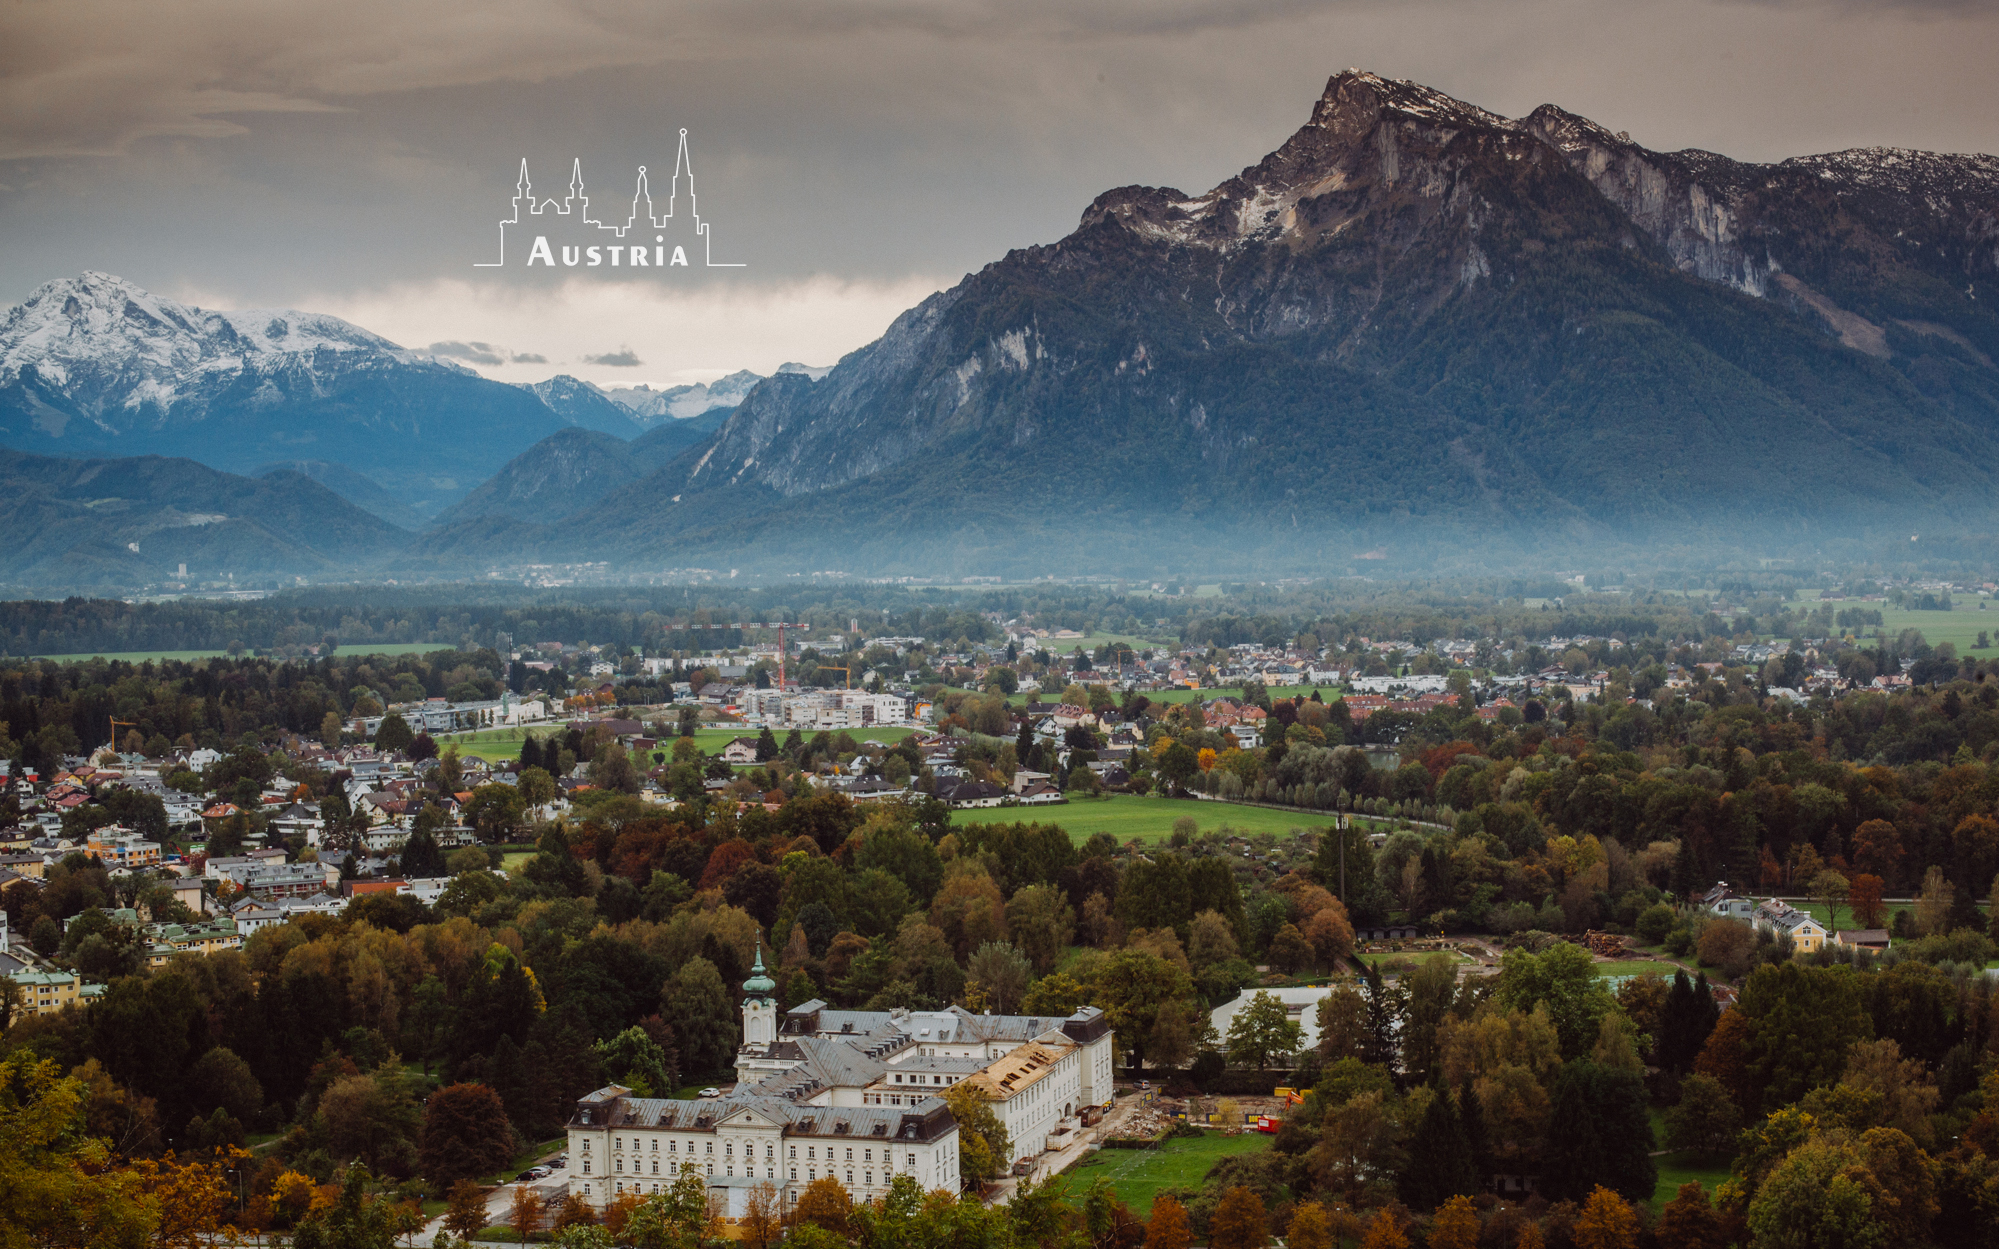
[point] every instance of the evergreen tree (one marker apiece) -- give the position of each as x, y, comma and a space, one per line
1472, 1114
1672, 1047
1440, 1157
530, 753
1023, 745
766, 745
1383, 1013
1600, 1134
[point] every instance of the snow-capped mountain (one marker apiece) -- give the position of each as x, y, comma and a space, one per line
96, 365
580, 403
679, 403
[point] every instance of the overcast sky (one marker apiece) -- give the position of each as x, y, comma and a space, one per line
353, 158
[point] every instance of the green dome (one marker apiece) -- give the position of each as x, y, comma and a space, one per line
758, 981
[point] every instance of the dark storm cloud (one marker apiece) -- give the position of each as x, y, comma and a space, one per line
625, 358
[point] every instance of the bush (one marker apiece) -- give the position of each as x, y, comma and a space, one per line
1679, 941
1655, 922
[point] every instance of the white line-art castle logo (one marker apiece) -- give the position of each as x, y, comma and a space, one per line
677, 239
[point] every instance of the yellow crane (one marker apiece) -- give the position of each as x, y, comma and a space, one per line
116, 723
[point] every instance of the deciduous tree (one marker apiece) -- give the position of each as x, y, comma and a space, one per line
1239, 1221
465, 1133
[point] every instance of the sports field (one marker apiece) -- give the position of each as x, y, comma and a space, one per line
1139, 1175
1148, 817
139, 657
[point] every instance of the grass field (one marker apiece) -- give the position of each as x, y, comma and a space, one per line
1139, 1175
1959, 626
1682, 1167
139, 657
1149, 818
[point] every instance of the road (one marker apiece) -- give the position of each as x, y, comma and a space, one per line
500, 1202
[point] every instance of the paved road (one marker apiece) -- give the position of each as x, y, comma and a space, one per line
500, 1202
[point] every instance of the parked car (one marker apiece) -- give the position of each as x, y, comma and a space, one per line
711, 1091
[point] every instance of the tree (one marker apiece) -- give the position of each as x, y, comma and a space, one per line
53, 1186
1564, 980
1042, 923
1599, 1134
1261, 1029
1725, 1056
1934, 902
1689, 1221
1310, 1227
393, 733
1168, 1227
354, 1220
1802, 1021
1455, 1227
1705, 1119
1864, 897
528, 1212
1832, 888
1606, 1222
220, 1079
1817, 1198
1003, 972
1440, 1158
762, 1223
1385, 1232
1131, 987
1239, 1221
704, 1016
638, 1062
1330, 934
537, 788
375, 1118
465, 1215
825, 1204
1289, 950
329, 730
984, 1149
465, 1133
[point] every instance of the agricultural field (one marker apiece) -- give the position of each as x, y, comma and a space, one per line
1139, 1175
1959, 626
1148, 817
139, 657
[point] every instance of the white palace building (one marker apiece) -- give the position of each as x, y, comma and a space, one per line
852, 1096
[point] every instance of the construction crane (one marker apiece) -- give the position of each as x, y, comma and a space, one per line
831, 668
780, 651
115, 723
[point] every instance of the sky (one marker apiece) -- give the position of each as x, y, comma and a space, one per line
852, 155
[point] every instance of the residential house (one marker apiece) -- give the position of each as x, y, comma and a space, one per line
1780, 918
1873, 940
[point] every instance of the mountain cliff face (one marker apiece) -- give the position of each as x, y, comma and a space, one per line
96, 365
1415, 322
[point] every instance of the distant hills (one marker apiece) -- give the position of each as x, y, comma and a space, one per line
135, 520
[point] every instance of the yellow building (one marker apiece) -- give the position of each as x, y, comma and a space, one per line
46, 992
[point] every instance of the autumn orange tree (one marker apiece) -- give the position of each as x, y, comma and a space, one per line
1238, 1221
825, 1204
1310, 1227
1689, 1221
1455, 1225
465, 1216
1168, 1227
1385, 1233
1606, 1222
1864, 899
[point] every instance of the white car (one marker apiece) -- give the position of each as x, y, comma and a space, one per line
711, 1092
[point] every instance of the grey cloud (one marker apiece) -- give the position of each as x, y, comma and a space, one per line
622, 359
475, 353
530, 357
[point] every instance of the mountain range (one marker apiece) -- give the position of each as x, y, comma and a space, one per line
1417, 330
